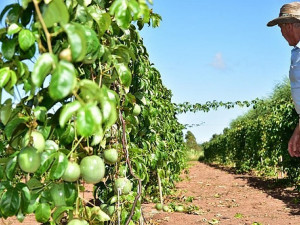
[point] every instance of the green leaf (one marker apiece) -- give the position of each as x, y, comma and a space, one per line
14, 14
12, 81
34, 183
25, 3
10, 202
8, 49
98, 136
124, 74
56, 12
92, 45
71, 193
135, 8
63, 80
10, 169
13, 124
43, 66
89, 90
4, 76
56, 216
68, 111
13, 29
59, 166
43, 212
102, 19
34, 202
22, 69
40, 113
25, 196
77, 41
114, 6
66, 134
85, 122
26, 39
1, 172
5, 111
6, 9
120, 10
109, 112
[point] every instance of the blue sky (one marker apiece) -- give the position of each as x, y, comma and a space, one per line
218, 50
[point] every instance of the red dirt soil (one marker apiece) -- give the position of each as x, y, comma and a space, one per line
229, 199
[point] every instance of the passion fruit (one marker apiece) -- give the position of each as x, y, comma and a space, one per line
110, 156
38, 140
72, 172
159, 206
29, 159
92, 169
123, 185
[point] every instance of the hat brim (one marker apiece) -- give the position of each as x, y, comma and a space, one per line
281, 20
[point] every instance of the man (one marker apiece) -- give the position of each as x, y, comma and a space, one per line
289, 23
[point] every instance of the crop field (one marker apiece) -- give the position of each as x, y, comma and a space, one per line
89, 133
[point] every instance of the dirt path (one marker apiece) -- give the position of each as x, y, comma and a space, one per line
221, 197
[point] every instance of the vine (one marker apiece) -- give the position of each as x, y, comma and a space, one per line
259, 139
93, 110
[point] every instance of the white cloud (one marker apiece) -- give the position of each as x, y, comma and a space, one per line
218, 62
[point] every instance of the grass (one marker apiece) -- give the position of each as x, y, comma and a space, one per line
194, 155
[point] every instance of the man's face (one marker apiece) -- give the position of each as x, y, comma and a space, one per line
288, 32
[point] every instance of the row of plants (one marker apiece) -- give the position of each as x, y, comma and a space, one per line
258, 140
87, 107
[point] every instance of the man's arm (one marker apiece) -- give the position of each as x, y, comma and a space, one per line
294, 143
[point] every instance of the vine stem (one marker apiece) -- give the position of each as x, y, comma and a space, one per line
74, 147
48, 35
124, 144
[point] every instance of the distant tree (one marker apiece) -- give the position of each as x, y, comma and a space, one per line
191, 141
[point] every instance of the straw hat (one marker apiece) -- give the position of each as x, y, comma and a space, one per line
289, 13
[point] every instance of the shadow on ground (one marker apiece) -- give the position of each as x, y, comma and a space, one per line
277, 188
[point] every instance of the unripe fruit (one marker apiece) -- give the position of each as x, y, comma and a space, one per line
29, 159
38, 140
124, 185
72, 172
159, 206
51, 145
66, 54
110, 156
179, 208
136, 110
166, 208
92, 169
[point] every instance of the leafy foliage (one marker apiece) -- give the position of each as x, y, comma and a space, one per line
193, 149
91, 88
259, 139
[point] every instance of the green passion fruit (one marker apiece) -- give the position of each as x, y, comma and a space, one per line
159, 206
166, 208
179, 208
124, 185
110, 156
51, 145
92, 169
29, 159
72, 172
136, 110
38, 140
